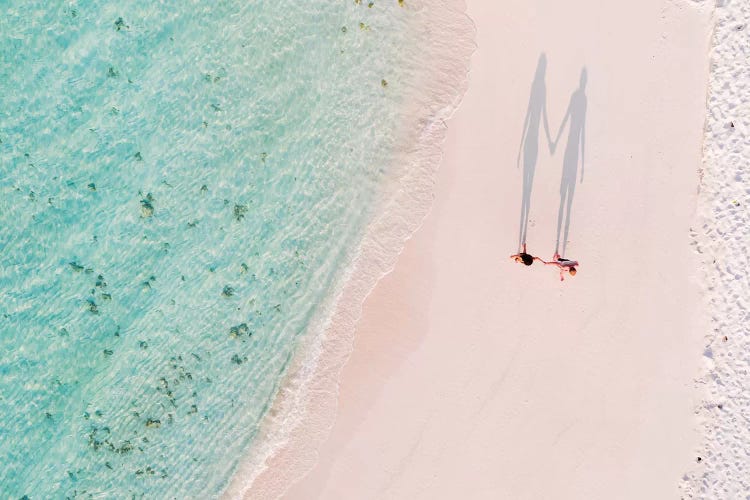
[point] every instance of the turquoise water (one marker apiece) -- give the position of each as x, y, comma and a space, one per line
180, 184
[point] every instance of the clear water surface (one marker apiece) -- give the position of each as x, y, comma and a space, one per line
180, 183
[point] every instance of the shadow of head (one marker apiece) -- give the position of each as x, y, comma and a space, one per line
541, 66
584, 78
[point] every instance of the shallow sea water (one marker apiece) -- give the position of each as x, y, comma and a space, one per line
180, 183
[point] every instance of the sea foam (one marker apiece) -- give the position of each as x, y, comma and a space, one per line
305, 408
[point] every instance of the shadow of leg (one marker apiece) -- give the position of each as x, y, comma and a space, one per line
525, 206
522, 225
559, 221
567, 218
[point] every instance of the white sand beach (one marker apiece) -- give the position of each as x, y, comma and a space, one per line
475, 377
721, 240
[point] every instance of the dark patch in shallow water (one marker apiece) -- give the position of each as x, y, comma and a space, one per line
239, 212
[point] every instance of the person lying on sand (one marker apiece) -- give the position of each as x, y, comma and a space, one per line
565, 265
525, 258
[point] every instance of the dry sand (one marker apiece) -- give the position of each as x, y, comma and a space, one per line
473, 377
722, 239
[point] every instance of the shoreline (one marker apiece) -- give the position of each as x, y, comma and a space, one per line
303, 411
475, 377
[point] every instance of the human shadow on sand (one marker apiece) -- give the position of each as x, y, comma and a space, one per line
576, 113
536, 111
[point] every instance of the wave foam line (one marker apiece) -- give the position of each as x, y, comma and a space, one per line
304, 409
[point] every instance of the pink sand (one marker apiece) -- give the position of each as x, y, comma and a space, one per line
474, 377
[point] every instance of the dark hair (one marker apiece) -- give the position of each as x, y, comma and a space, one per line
527, 259
572, 271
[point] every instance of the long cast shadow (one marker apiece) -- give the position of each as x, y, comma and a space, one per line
576, 113
530, 141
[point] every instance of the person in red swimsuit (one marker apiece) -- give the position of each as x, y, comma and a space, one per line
564, 265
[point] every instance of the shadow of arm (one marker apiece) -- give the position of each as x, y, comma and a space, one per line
562, 125
550, 144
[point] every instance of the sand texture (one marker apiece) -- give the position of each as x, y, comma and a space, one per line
722, 466
474, 377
